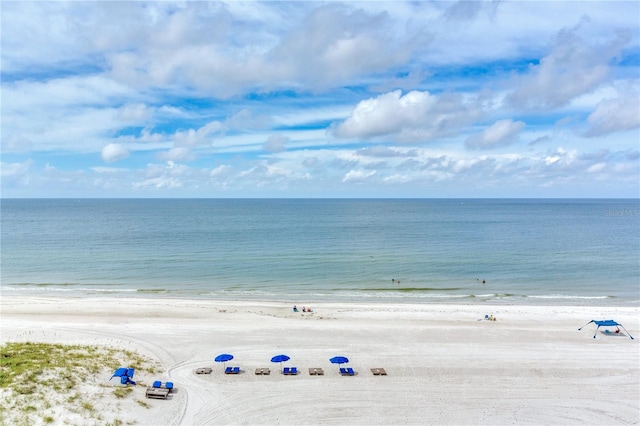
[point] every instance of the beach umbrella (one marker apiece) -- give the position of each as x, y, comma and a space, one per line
224, 358
280, 359
339, 360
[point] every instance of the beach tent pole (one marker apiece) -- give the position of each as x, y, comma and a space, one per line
585, 325
626, 331
594, 334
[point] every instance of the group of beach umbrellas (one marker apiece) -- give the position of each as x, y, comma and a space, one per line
280, 359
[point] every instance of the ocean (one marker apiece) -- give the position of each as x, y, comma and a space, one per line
468, 251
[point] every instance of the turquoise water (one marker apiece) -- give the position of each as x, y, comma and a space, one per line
527, 251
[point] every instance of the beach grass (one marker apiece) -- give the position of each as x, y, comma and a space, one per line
39, 382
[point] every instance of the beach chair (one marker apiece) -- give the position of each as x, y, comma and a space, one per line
203, 371
319, 372
293, 371
378, 372
286, 371
266, 371
347, 371
158, 385
124, 380
232, 370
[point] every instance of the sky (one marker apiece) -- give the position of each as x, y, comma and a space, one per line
421, 99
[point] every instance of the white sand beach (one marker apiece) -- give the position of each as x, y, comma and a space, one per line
444, 365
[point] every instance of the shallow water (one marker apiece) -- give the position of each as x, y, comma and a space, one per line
527, 251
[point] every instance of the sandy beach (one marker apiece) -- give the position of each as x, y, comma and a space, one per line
445, 364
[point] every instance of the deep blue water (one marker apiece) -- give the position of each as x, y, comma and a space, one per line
527, 251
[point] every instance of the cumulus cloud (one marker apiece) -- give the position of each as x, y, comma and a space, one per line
200, 136
500, 133
114, 152
575, 66
221, 171
224, 51
9, 170
133, 113
180, 153
416, 116
226, 82
276, 143
336, 42
613, 115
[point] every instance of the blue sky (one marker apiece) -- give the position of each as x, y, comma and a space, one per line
333, 99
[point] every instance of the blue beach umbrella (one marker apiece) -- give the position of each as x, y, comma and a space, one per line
280, 359
224, 358
339, 360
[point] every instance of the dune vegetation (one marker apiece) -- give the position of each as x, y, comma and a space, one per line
42, 383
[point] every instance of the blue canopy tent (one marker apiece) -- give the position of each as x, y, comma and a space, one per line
125, 374
605, 323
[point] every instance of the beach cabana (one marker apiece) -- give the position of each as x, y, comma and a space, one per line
125, 374
605, 323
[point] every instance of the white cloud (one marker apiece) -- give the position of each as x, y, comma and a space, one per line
500, 133
200, 136
179, 153
133, 114
614, 115
574, 67
358, 176
276, 143
214, 51
114, 152
224, 83
223, 171
10, 170
108, 170
74, 114
416, 116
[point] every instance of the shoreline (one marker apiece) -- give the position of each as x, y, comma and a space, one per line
390, 297
445, 363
